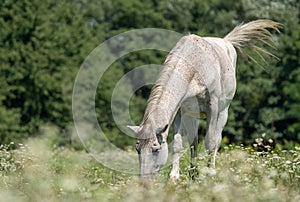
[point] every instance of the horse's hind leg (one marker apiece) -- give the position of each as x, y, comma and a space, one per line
194, 150
213, 137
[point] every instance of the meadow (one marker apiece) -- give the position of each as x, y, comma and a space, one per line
41, 171
44, 44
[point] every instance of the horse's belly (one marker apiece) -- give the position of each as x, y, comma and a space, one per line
199, 115
194, 107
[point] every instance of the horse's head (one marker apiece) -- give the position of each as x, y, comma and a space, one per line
151, 147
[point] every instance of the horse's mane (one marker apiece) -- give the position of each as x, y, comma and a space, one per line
158, 89
162, 79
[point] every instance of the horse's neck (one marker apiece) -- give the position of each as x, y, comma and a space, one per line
166, 106
173, 82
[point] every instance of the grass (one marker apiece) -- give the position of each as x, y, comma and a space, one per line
39, 171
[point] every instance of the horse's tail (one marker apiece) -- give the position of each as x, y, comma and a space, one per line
246, 36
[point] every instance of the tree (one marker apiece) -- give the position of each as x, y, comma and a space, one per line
43, 44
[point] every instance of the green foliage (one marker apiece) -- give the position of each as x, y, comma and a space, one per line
43, 44
8, 164
263, 100
289, 80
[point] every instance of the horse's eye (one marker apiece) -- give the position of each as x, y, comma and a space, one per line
137, 146
159, 138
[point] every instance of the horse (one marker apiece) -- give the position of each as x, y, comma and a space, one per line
198, 79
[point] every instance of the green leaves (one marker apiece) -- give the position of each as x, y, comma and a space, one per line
43, 44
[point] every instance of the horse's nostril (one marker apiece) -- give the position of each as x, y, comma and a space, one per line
156, 147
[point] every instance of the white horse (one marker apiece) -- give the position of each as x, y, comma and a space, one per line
198, 78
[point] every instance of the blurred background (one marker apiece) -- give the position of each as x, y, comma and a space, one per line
44, 43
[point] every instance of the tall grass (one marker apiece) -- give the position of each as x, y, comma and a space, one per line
41, 171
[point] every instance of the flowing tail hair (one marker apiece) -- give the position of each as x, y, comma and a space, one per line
247, 35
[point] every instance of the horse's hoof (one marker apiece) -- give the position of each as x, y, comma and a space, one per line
174, 178
210, 171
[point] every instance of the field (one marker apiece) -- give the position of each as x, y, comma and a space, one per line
40, 171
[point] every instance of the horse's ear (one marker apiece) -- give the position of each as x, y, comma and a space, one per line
135, 129
161, 130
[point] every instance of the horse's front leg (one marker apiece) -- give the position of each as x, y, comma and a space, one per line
177, 147
191, 129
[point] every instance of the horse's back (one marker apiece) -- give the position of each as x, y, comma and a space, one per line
213, 62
